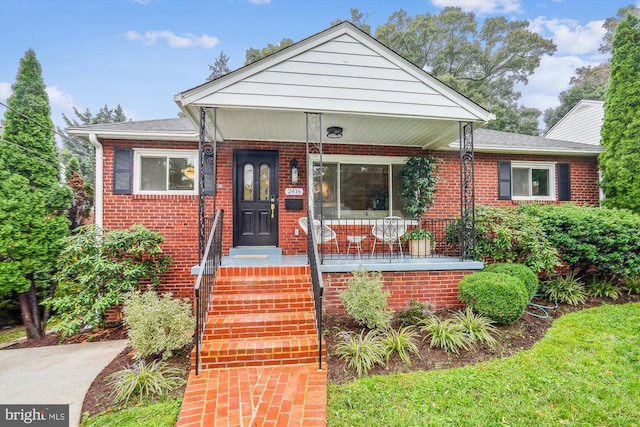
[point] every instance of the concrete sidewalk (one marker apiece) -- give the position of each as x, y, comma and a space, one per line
54, 375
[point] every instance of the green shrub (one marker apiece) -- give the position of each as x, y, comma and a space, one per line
447, 334
144, 380
507, 235
565, 289
97, 269
586, 237
414, 313
361, 352
403, 342
157, 326
498, 296
478, 328
365, 300
521, 271
603, 288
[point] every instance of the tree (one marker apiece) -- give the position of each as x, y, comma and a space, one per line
79, 148
356, 19
620, 163
483, 65
589, 82
253, 55
219, 67
82, 197
33, 203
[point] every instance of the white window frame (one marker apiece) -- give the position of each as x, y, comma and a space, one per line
550, 166
356, 160
138, 153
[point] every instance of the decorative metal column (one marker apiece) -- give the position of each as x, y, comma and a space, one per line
207, 155
314, 145
467, 236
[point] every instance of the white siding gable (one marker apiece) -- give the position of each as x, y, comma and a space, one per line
582, 124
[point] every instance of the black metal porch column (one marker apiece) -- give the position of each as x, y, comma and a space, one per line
467, 236
207, 156
314, 143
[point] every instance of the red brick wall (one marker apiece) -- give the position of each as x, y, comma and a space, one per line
439, 288
176, 217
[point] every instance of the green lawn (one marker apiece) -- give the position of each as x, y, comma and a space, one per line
160, 414
586, 371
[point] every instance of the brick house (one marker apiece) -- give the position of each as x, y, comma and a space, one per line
325, 125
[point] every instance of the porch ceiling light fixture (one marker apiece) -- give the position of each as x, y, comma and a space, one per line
334, 132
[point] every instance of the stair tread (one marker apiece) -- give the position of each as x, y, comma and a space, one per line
244, 345
258, 318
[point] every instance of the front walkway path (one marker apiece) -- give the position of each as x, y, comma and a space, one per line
288, 395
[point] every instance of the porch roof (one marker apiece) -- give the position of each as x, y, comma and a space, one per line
357, 83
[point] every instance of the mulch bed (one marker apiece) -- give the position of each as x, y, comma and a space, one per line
518, 336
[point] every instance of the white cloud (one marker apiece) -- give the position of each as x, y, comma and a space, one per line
571, 37
483, 6
5, 91
548, 80
188, 40
60, 100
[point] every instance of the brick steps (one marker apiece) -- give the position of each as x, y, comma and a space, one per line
254, 303
264, 325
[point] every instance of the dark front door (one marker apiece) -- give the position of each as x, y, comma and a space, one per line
256, 198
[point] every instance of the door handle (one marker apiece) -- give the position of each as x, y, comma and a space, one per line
273, 207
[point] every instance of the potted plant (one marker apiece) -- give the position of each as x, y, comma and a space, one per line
417, 189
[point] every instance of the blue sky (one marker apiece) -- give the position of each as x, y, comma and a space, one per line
140, 53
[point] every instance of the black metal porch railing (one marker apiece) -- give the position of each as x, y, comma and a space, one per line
387, 238
316, 280
211, 259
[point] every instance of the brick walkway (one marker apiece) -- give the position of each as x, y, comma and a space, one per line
259, 357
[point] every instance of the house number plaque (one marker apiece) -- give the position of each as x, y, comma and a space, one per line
293, 191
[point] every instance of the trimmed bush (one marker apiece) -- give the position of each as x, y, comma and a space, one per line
157, 326
586, 237
499, 296
365, 300
520, 271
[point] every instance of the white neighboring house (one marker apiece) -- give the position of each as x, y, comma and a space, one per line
583, 124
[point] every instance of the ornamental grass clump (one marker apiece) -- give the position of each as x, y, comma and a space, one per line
480, 329
365, 300
402, 341
603, 288
361, 352
447, 334
499, 296
565, 289
144, 379
157, 326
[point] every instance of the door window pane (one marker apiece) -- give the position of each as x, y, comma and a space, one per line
265, 180
248, 183
153, 173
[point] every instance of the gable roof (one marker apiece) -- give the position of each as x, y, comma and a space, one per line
581, 124
377, 96
493, 141
180, 128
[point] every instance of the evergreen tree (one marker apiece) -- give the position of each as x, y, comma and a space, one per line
620, 163
33, 203
219, 67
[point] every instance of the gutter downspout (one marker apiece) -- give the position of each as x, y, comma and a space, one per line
99, 181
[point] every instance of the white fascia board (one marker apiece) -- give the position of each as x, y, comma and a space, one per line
520, 150
164, 136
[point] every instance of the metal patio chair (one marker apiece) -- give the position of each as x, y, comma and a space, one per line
389, 231
323, 233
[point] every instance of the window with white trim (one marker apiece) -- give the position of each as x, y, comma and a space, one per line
357, 186
533, 180
165, 171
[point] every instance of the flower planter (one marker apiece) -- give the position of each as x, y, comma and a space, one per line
420, 248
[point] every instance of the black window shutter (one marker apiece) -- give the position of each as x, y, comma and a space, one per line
564, 182
122, 170
504, 180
